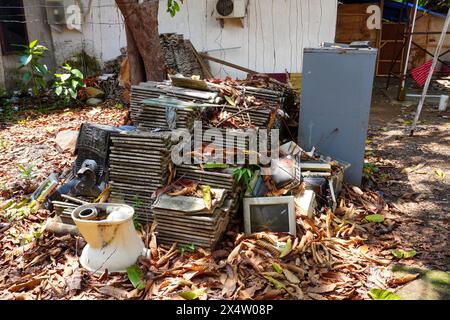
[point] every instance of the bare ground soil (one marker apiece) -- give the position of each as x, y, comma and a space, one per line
414, 173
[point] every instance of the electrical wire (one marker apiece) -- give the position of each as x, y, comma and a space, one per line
255, 28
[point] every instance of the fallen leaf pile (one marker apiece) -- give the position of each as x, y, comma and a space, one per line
327, 260
332, 257
336, 255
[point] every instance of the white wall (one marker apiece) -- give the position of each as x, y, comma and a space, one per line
272, 40
38, 29
103, 33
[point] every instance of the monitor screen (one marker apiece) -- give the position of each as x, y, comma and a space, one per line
269, 217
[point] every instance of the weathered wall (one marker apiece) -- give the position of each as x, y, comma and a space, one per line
352, 23
431, 24
38, 29
272, 39
351, 26
102, 36
11, 73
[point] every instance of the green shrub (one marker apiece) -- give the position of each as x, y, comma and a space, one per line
35, 71
67, 84
85, 63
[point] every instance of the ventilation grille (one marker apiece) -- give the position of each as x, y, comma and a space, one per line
225, 7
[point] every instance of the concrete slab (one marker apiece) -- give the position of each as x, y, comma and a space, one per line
431, 284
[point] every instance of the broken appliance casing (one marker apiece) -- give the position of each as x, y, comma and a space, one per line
112, 244
336, 99
93, 143
306, 203
274, 214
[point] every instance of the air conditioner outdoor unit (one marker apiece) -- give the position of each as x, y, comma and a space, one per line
57, 11
226, 9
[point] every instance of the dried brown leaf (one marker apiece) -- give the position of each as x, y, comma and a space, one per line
403, 280
292, 278
231, 281
114, 292
234, 253
322, 288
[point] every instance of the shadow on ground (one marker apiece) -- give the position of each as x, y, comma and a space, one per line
431, 284
421, 194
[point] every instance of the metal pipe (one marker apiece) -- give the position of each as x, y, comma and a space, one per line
65, 196
430, 74
426, 33
427, 96
401, 93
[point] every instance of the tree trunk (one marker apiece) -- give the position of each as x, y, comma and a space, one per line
135, 63
144, 49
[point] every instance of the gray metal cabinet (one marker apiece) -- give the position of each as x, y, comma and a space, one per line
335, 104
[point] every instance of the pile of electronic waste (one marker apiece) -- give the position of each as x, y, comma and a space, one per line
193, 201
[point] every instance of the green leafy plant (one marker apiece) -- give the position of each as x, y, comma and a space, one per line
384, 177
187, 248
3, 144
4, 187
136, 277
380, 294
377, 218
193, 294
7, 112
435, 5
26, 173
173, 7
4, 98
39, 232
277, 268
86, 63
137, 204
215, 166
36, 71
369, 170
403, 254
3, 92
245, 175
286, 248
119, 106
68, 84
14, 211
5, 103
277, 284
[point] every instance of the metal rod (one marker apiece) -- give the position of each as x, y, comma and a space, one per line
391, 69
426, 33
430, 75
444, 53
228, 64
74, 199
430, 54
401, 93
394, 59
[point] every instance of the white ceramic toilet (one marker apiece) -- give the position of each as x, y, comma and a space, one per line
112, 243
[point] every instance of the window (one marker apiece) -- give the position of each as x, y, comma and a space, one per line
13, 29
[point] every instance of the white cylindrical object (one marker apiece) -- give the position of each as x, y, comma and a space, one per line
88, 214
111, 244
443, 103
